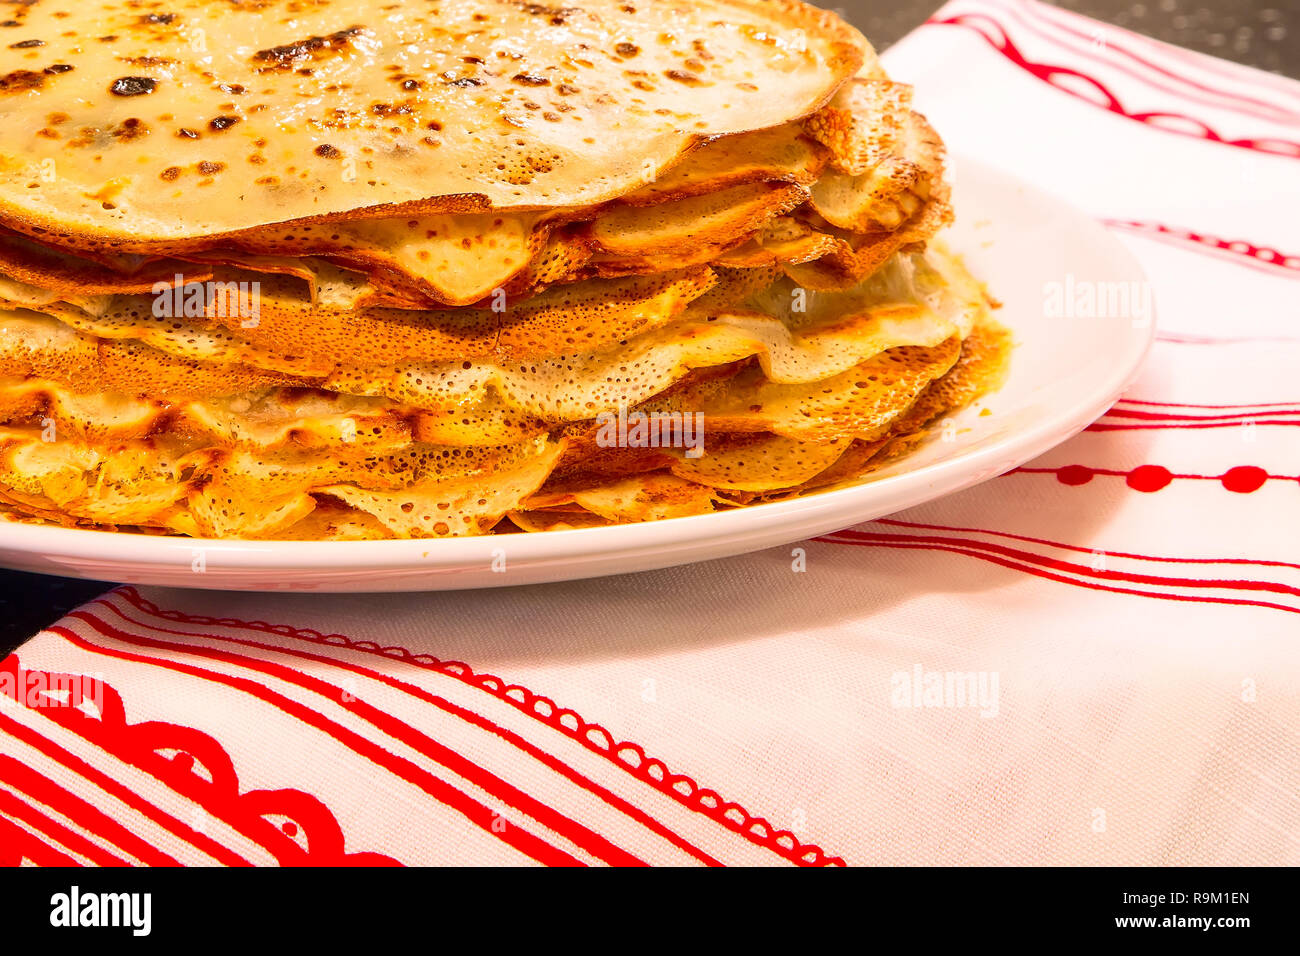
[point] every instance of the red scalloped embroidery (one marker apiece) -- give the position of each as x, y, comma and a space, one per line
1054, 76
624, 754
195, 765
1239, 250
1028, 14
598, 846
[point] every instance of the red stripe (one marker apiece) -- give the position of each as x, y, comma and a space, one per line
51, 830
863, 537
1247, 105
18, 844
1261, 405
440, 790
1209, 64
1168, 416
47, 793
469, 716
1153, 120
1078, 549
1049, 575
1104, 427
83, 769
1177, 338
677, 786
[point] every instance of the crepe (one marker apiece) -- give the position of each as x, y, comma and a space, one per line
488, 267
162, 129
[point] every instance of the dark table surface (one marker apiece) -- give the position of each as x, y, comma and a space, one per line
1261, 33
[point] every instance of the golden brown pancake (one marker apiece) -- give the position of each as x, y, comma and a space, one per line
213, 117
482, 266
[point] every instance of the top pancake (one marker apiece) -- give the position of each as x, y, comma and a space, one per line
204, 117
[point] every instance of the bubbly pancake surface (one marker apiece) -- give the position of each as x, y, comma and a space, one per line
202, 117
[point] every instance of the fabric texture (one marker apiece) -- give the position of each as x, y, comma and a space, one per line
1090, 660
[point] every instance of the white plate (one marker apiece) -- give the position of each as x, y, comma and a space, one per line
1064, 373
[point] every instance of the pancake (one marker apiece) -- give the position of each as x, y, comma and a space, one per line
458, 259
748, 472
489, 266
166, 132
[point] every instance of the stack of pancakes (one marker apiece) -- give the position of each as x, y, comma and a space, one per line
358, 271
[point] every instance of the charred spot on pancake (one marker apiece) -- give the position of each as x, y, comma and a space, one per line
556, 16
56, 68
170, 174
130, 129
391, 109
327, 151
627, 49
21, 80
639, 80
681, 76
465, 81
148, 60
531, 79
221, 123
208, 167
26, 44
286, 56
185, 133
163, 18
133, 86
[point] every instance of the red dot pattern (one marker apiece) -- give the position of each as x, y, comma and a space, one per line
1242, 480
1074, 475
1148, 478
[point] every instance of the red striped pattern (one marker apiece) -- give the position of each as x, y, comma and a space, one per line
316, 681
1130, 415
1276, 93
1120, 50
1275, 584
628, 757
1073, 82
